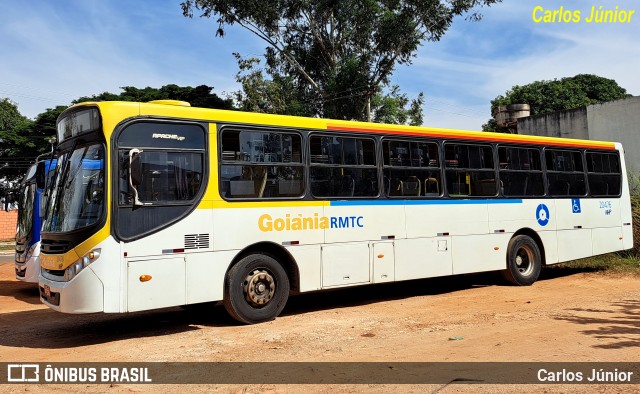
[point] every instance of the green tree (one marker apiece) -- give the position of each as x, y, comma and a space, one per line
395, 107
279, 96
331, 58
17, 144
261, 94
559, 94
200, 96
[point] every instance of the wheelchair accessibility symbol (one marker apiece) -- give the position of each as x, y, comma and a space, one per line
575, 205
542, 214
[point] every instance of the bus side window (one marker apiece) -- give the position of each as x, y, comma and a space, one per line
520, 172
470, 170
603, 173
411, 168
565, 173
342, 167
261, 164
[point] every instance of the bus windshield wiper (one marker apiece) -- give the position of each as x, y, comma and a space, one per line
59, 176
72, 177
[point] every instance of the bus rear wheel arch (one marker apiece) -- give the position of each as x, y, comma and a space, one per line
256, 289
524, 261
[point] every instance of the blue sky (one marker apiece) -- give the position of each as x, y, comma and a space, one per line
56, 51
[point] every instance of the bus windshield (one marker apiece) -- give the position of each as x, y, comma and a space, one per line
77, 196
25, 213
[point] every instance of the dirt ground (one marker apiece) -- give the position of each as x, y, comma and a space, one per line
568, 315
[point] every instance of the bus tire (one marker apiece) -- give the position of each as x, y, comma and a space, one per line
524, 261
256, 289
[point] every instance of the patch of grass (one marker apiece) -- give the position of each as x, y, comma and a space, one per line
613, 263
7, 244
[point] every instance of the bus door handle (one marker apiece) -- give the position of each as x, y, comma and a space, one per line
577, 227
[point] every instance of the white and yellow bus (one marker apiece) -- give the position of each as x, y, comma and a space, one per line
194, 205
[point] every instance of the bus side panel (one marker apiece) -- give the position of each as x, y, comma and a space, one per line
479, 253
237, 228
167, 286
205, 275
363, 222
627, 235
109, 269
446, 217
308, 260
168, 255
509, 218
607, 239
423, 257
382, 262
603, 216
574, 244
191, 234
431, 226
345, 264
625, 204
574, 234
550, 244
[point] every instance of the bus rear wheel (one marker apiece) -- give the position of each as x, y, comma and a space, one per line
524, 261
256, 289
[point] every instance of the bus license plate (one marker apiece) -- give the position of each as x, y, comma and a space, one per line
47, 291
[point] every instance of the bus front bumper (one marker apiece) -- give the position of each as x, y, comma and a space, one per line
82, 294
29, 271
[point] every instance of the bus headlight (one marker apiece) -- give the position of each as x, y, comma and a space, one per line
81, 264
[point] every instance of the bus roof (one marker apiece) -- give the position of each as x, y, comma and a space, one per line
113, 112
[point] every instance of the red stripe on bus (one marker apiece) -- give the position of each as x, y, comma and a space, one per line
530, 140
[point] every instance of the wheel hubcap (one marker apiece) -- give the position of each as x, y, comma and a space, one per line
259, 287
524, 257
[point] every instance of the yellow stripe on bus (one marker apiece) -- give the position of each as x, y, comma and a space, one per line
221, 204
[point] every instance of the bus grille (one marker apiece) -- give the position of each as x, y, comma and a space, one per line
55, 247
59, 273
196, 241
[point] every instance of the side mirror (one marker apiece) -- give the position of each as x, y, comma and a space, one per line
135, 173
40, 176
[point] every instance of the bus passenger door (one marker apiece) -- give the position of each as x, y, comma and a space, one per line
383, 262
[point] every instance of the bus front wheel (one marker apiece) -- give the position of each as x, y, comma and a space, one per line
256, 289
524, 261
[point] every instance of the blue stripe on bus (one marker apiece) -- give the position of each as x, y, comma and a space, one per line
351, 203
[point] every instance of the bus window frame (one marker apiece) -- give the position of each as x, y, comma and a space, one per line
439, 168
615, 153
491, 145
117, 148
581, 151
222, 128
377, 155
542, 171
